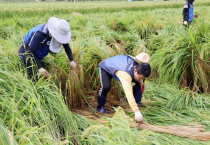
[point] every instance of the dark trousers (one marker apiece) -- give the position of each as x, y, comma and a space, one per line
105, 79
188, 24
29, 62
137, 93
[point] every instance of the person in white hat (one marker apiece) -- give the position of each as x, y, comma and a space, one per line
126, 69
41, 40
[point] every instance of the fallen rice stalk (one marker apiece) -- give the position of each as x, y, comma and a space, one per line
192, 132
195, 132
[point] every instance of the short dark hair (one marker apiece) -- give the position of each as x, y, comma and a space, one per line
143, 69
190, 1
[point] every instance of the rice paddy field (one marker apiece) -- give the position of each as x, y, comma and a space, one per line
62, 109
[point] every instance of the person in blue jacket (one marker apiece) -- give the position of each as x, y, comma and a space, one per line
188, 13
126, 69
41, 40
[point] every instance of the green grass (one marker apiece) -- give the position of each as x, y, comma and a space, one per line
12, 10
38, 114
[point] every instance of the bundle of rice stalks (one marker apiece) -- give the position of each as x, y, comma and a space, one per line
70, 81
70, 86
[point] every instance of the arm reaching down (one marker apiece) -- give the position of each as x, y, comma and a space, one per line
68, 51
126, 80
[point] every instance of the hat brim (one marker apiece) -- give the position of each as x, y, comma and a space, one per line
52, 29
135, 59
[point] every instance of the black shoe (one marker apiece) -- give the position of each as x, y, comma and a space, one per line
103, 110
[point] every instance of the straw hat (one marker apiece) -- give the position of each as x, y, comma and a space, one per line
141, 58
60, 31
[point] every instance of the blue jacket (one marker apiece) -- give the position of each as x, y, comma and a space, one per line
43, 49
188, 15
119, 62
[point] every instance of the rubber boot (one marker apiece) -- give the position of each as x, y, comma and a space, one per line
101, 103
137, 94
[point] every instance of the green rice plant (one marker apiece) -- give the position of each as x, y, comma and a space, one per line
13, 109
174, 98
139, 46
187, 98
131, 42
96, 52
5, 135
37, 114
117, 131
119, 21
181, 55
70, 81
144, 25
9, 10
33, 114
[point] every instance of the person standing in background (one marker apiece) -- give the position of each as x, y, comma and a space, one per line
188, 13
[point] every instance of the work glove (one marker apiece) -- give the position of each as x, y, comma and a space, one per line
185, 23
73, 65
138, 117
43, 72
196, 15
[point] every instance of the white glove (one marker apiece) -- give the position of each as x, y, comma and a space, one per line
73, 65
138, 117
185, 23
43, 72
